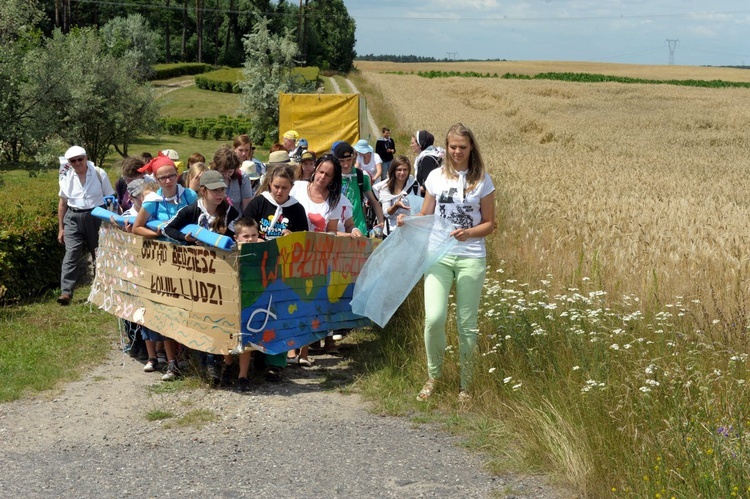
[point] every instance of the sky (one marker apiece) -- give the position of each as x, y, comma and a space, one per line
707, 32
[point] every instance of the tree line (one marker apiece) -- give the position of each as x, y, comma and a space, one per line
68, 76
212, 30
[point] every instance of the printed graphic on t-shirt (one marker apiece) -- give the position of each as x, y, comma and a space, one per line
458, 214
279, 226
317, 221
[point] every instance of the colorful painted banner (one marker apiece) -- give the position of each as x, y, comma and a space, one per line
271, 296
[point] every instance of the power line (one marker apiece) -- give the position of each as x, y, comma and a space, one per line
697, 49
504, 18
629, 54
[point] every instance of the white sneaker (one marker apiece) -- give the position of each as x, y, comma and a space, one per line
172, 372
150, 365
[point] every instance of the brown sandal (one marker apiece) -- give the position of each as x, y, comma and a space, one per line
426, 391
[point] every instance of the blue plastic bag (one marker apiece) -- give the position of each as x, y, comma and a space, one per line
397, 264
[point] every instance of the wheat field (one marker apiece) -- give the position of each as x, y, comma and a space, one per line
643, 188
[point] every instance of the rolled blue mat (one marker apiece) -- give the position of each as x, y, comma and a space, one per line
108, 216
207, 237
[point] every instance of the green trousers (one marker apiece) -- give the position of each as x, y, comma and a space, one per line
468, 274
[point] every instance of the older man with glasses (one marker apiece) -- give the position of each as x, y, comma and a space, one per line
83, 187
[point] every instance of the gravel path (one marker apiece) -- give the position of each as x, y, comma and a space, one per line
374, 130
290, 439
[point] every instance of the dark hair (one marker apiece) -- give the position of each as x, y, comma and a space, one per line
225, 159
196, 157
245, 223
241, 140
130, 167
334, 188
385, 129
146, 156
397, 161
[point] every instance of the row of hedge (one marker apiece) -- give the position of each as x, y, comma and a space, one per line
166, 71
227, 79
577, 78
30, 256
221, 80
600, 78
221, 128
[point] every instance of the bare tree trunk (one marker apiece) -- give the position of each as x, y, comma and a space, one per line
217, 48
199, 27
184, 29
231, 27
167, 35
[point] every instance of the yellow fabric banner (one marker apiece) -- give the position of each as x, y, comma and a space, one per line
322, 119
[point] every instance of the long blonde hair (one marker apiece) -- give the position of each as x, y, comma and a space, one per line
475, 173
194, 170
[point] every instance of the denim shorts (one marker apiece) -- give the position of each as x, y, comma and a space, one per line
150, 335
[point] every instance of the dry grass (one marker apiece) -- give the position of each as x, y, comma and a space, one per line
643, 188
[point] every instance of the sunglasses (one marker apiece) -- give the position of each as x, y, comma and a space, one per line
77, 160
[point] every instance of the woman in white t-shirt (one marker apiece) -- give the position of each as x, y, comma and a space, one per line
325, 207
393, 192
461, 193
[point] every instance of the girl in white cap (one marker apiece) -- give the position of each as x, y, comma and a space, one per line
368, 161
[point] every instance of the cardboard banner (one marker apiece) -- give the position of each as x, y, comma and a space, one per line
271, 296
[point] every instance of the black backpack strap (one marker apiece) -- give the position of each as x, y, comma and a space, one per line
361, 184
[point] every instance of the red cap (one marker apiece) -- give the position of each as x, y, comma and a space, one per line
156, 163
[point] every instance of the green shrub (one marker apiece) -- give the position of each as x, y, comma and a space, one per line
166, 71
217, 132
30, 256
203, 130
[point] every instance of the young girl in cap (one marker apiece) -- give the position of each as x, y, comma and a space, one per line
210, 211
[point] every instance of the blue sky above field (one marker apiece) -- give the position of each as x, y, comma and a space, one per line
625, 31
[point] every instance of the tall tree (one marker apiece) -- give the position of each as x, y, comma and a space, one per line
103, 104
133, 41
267, 72
331, 37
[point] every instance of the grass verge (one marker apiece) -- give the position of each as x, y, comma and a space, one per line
42, 344
192, 102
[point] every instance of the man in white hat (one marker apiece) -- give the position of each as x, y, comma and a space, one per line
83, 187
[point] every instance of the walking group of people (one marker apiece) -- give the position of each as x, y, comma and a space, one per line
350, 191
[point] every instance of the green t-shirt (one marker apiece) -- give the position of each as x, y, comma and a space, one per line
350, 189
